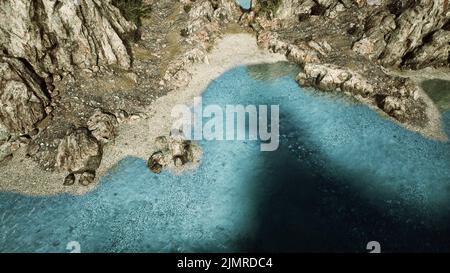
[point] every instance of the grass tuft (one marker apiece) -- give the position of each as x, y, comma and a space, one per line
133, 10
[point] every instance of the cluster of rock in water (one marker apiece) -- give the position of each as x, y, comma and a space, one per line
173, 152
49, 50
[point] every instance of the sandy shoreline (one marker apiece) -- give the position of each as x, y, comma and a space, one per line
434, 129
23, 175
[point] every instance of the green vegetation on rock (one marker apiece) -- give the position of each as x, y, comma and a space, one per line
133, 10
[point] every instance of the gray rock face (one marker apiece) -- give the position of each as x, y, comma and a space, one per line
395, 96
59, 36
294, 8
401, 28
434, 53
42, 39
22, 99
413, 25
345, 46
87, 178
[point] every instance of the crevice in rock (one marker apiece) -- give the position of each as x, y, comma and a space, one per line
318, 10
30, 71
125, 37
446, 26
397, 7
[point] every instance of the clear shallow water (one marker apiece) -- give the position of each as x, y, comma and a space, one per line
246, 4
439, 92
343, 176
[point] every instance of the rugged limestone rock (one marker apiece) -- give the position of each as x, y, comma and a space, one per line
205, 19
87, 178
5, 150
294, 9
42, 41
173, 152
373, 43
395, 96
23, 97
392, 30
102, 126
393, 34
434, 53
54, 36
45, 45
333, 78
300, 53
79, 151
350, 46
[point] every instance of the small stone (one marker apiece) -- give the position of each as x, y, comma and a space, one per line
48, 109
87, 178
155, 162
69, 180
132, 76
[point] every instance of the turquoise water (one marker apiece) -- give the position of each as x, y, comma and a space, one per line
343, 176
246, 4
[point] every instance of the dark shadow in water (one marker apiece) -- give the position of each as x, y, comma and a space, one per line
439, 92
302, 209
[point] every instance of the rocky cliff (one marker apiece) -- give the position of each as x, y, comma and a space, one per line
352, 46
42, 42
72, 70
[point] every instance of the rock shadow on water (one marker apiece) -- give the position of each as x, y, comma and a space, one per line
304, 209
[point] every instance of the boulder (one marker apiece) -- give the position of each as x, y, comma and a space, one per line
87, 178
79, 151
69, 180
103, 126
173, 152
